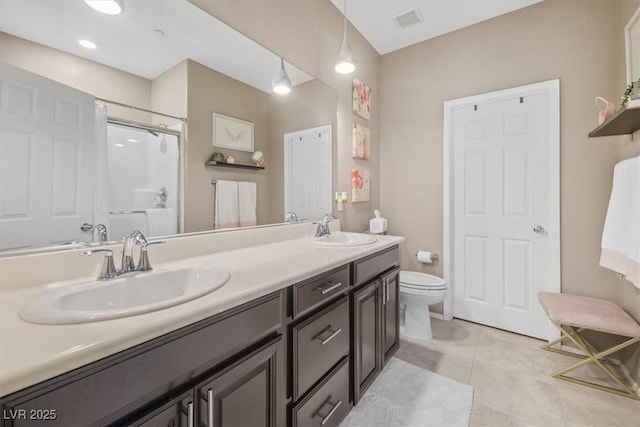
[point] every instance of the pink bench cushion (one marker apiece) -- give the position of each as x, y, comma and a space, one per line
589, 313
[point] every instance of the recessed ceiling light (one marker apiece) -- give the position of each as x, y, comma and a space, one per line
119, 145
132, 140
109, 7
87, 43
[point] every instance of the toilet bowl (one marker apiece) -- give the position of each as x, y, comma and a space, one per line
417, 292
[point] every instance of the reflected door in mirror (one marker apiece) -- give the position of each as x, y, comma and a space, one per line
308, 173
47, 154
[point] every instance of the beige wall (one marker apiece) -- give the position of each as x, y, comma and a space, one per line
628, 296
209, 92
92, 77
561, 39
308, 34
309, 105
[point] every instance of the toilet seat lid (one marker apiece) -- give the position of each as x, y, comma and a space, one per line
415, 280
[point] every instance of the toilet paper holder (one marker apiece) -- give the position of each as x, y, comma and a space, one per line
433, 257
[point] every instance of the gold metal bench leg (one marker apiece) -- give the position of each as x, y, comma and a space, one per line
592, 355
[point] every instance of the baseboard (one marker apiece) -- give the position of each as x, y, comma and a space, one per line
437, 316
623, 368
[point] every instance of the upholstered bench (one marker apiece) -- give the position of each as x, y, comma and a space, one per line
573, 314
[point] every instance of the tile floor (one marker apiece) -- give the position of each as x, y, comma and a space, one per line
511, 379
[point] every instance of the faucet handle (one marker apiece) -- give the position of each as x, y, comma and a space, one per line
144, 264
108, 270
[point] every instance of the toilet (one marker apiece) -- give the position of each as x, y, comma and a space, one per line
417, 292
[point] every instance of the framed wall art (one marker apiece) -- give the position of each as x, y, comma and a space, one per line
360, 182
229, 132
360, 142
361, 99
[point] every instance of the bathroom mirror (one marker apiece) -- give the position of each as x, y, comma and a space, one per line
632, 39
173, 58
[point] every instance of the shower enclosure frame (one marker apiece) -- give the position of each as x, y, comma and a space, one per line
166, 130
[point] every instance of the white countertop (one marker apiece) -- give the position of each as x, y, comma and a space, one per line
31, 353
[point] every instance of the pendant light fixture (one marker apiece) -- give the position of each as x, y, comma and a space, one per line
281, 82
346, 58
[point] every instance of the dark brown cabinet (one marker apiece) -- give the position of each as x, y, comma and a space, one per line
247, 393
177, 412
366, 337
376, 317
301, 356
390, 317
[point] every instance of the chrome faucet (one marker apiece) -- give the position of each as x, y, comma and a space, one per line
162, 197
100, 231
109, 270
323, 226
134, 238
291, 217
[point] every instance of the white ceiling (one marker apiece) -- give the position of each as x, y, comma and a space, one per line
374, 18
128, 41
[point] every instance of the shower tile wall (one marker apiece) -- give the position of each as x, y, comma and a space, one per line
139, 165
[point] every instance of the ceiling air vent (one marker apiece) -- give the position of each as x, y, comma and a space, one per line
408, 18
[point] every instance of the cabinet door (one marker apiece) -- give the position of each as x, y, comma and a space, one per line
390, 314
178, 412
366, 321
247, 393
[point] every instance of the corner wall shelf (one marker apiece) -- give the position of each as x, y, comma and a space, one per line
233, 165
626, 121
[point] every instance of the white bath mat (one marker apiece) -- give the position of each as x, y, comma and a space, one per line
406, 395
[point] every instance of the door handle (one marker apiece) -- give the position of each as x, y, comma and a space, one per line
539, 229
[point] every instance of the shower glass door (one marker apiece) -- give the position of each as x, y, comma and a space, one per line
142, 180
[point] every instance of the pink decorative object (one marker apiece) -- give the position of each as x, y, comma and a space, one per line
359, 185
361, 142
606, 109
361, 99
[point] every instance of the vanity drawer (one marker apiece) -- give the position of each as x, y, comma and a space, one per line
367, 268
328, 404
318, 344
315, 291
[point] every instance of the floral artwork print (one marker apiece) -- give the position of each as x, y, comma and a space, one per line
361, 142
361, 99
359, 185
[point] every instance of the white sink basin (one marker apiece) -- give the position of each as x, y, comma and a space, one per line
125, 296
344, 240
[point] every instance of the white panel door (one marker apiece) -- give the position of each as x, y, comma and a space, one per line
502, 248
47, 160
308, 173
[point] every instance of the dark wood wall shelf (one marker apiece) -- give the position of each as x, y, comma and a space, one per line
624, 122
233, 165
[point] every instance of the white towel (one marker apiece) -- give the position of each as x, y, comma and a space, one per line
247, 200
621, 233
162, 222
226, 205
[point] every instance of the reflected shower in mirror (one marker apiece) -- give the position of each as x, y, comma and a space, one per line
157, 56
142, 180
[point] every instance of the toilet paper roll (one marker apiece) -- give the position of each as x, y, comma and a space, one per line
424, 256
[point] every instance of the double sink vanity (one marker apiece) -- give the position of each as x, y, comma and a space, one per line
291, 333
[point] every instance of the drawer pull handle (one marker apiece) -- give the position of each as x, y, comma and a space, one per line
325, 418
190, 415
328, 287
210, 408
324, 341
